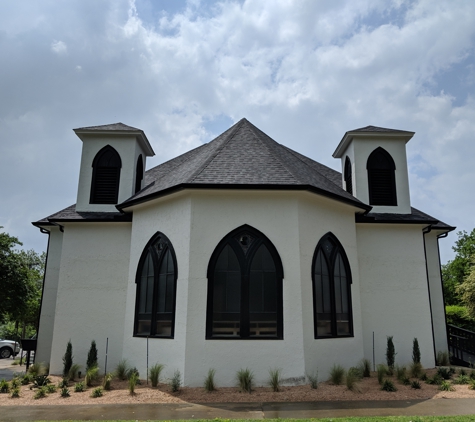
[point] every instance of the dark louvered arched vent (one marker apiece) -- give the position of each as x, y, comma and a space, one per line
139, 174
381, 178
105, 176
348, 179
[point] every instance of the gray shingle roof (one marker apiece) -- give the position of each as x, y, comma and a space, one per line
243, 157
112, 127
415, 217
377, 129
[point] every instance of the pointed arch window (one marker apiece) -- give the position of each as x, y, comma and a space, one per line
156, 289
381, 178
331, 278
348, 176
105, 176
245, 288
139, 174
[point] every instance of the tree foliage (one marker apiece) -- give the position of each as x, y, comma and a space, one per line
92, 356
466, 290
455, 271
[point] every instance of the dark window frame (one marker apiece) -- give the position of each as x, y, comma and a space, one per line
348, 176
157, 260
330, 261
245, 259
98, 177
138, 174
381, 178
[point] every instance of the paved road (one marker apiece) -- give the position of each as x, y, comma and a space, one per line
7, 370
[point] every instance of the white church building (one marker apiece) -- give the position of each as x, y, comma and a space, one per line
241, 253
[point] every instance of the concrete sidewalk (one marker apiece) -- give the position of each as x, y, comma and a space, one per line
439, 407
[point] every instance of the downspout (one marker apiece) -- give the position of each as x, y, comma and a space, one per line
424, 232
441, 236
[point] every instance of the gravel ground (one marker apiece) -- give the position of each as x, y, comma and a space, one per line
368, 389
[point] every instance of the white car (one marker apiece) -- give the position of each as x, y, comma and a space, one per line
8, 348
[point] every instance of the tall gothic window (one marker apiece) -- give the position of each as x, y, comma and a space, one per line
331, 277
105, 176
156, 289
245, 288
381, 178
348, 176
138, 174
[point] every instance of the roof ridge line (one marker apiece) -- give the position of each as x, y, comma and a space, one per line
214, 155
321, 174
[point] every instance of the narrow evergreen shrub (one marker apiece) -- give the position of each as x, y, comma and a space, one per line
313, 379
416, 385
155, 372
65, 392
68, 359
275, 379
390, 353
388, 386
209, 384
416, 352
121, 369
245, 378
79, 387
97, 392
175, 382
92, 356
337, 373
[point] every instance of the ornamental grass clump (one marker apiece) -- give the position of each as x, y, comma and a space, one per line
416, 385
381, 371
209, 384
40, 393
444, 373
97, 392
462, 379
365, 367
389, 386
64, 392
133, 380
4, 386
73, 371
313, 380
122, 369
79, 387
400, 372
63, 383
446, 386
416, 369
337, 374
106, 383
14, 383
50, 388
442, 358
15, 392
352, 377
92, 375
155, 372
275, 379
245, 378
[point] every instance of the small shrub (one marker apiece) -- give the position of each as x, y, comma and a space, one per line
245, 378
65, 392
106, 383
4, 386
133, 372
92, 356
337, 373
36, 369
40, 393
472, 375
400, 372
416, 385
14, 383
133, 379
97, 392
15, 393
121, 369
416, 369
388, 385
73, 371
435, 380
16, 362
91, 375
390, 353
155, 372
175, 382
50, 388
462, 379
352, 377
67, 359
405, 381
452, 371
209, 381
275, 379
444, 373
365, 367
472, 385
313, 379
442, 358
63, 383
423, 377
416, 352
79, 387
40, 381
446, 386
462, 371
382, 370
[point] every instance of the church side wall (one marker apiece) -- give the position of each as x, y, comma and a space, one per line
436, 291
394, 293
50, 289
171, 216
91, 292
318, 216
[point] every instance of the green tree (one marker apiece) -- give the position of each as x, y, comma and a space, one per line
92, 356
455, 271
466, 290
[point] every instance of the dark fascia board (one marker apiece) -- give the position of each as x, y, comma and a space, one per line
184, 186
360, 218
348, 137
125, 218
139, 134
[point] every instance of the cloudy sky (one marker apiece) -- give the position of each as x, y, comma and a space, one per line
303, 71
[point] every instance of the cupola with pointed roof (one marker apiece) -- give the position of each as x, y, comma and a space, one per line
112, 165
374, 168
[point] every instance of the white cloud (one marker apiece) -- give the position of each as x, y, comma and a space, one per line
59, 47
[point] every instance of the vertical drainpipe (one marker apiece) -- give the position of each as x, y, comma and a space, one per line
441, 236
424, 232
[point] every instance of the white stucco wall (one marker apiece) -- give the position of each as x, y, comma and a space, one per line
91, 293
359, 150
394, 293
129, 150
436, 291
50, 290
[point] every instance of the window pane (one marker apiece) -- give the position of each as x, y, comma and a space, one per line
322, 295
